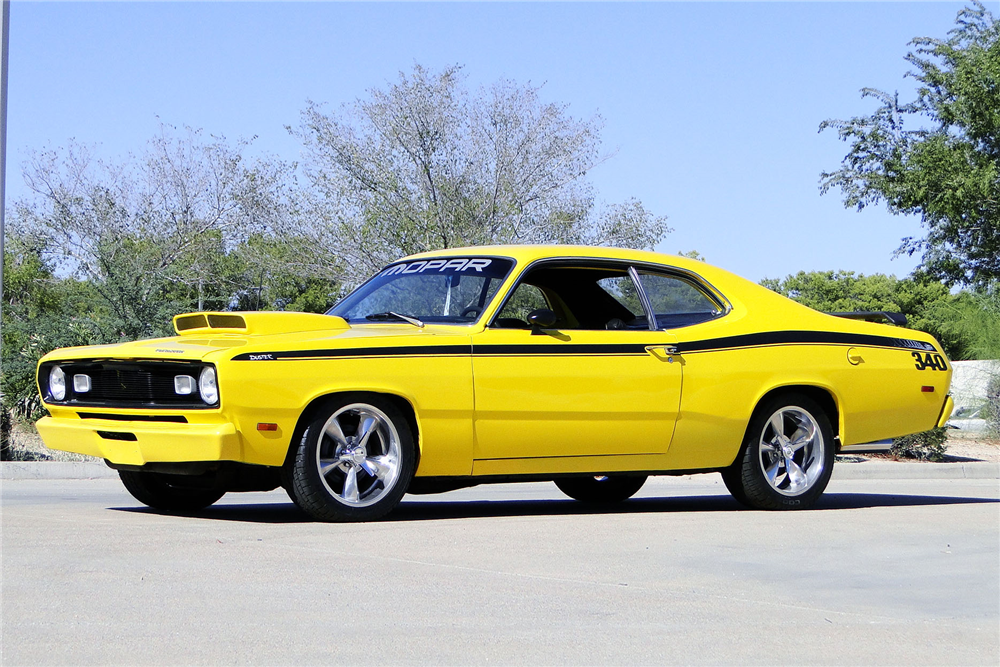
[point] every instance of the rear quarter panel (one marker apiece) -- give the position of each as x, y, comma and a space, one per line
884, 395
880, 397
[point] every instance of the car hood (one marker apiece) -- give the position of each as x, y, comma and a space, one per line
216, 336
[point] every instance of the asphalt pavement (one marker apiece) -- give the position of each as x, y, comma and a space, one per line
883, 571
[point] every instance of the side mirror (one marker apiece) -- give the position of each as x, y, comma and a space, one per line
539, 319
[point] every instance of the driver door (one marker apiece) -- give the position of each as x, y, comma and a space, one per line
580, 388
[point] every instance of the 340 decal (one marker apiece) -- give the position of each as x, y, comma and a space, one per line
935, 362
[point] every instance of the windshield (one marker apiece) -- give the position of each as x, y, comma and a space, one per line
452, 290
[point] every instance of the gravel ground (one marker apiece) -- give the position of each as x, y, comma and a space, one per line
979, 449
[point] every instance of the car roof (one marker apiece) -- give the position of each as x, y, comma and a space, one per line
769, 310
529, 253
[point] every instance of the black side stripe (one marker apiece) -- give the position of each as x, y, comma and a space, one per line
570, 349
801, 338
402, 351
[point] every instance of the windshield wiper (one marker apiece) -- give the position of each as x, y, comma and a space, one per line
389, 315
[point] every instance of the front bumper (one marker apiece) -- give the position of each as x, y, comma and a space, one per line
137, 443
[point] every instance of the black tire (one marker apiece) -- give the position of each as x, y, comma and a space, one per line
789, 471
601, 488
365, 476
733, 479
291, 496
172, 493
286, 482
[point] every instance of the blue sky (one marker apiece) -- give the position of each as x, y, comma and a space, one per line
713, 107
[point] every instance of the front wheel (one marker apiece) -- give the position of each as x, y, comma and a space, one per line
355, 460
172, 493
601, 488
787, 456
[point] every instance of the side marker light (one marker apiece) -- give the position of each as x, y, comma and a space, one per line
927, 389
267, 427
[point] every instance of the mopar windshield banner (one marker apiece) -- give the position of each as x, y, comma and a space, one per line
482, 266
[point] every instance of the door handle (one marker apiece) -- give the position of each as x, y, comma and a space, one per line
661, 351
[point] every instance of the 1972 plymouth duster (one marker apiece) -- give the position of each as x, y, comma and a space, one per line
591, 367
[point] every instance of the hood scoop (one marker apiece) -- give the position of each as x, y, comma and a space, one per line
259, 323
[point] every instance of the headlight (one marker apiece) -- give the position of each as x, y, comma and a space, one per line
207, 386
57, 384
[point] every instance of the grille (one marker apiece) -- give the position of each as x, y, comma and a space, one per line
175, 419
128, 384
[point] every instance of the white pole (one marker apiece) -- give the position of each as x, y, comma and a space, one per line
5, 48
4, 424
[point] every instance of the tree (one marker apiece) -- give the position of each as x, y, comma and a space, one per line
427, 164
152, 235
927, 304
947, 171
974, 318
270, 272
40, 313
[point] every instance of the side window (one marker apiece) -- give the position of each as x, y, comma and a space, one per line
623, 290
676, 302
583, 296
514, 314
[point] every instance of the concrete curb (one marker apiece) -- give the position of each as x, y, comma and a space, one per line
915, 470
15, 470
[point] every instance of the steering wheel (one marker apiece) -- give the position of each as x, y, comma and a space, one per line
469, 310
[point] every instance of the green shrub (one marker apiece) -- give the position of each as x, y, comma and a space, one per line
927, 446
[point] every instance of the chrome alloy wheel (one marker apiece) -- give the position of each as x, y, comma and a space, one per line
792, 451
359, 454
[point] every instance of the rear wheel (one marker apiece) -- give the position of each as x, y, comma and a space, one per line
787, 455
173, 493
355, 460
601, 488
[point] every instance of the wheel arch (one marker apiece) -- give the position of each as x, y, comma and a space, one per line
316, 405
825, 397
746, 478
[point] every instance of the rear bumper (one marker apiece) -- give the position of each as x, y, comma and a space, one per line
949, 406
136, 443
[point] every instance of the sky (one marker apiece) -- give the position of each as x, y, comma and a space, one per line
711, 109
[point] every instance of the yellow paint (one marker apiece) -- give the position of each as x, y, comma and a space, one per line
154, 441
525, 413
949, 406
565, 404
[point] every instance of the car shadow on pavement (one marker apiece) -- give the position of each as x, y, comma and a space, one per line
432, 510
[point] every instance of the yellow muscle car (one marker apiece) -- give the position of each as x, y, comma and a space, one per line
590, 367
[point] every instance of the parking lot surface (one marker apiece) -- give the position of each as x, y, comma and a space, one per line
882, 572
